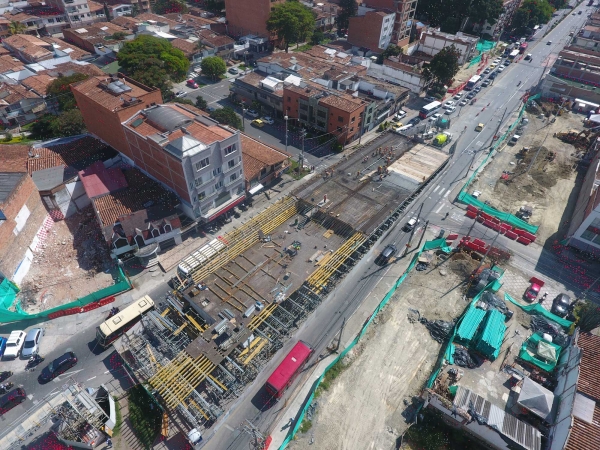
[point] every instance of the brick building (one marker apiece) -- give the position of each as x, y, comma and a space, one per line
262, 163
248, 16
191, 154
21, 213
107, 101
371, 30
336, 113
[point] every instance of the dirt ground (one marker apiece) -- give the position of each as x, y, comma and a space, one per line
546, 186
368, 404
72, 262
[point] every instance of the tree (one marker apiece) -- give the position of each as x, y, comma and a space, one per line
292, 22
213, 67
532, 13
60, 91
152, 73
183, 101
15, 27
227, 116
317, 37
451, 15
68, 123
348, 8
42, 128
214, 6
587, 315
481, 11
201, 103
135, 54
169, 6
119, 36
443, 66
392, 50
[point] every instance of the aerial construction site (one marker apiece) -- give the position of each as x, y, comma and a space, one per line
236, 300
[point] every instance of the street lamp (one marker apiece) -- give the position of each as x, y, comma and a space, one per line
244, 109
286, 130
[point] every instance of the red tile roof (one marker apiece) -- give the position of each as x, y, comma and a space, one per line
187, 47
8, 63
214, 39
73, 51
38, 83
13, 158
95, 89
98, 180
257, 156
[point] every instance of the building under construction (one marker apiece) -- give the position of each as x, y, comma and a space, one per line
238, 298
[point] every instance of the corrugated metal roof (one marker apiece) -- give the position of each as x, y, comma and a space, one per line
470, 323
519, 432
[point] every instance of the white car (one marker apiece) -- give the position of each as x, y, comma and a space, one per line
435, 117
463, 103
268, 120
458, 96
449, 104
32, 342
501, 69
251, 113
14, 344
497, 60
399, 115
450, 109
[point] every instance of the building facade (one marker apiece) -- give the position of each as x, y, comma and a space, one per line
371, 30
432, 42
248, 16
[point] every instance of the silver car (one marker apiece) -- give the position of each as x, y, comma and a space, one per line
32, 343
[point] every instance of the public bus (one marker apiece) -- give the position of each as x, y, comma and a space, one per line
286, 372
513, 54
429, 109
523, 47
475, 79
118, 324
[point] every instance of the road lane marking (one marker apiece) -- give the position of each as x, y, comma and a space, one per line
90, 379
439, 209
228, 427
446, 194
435, 190
30, 396
73, 372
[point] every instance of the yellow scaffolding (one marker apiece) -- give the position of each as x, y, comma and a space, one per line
255, 352
257, 320
319, 277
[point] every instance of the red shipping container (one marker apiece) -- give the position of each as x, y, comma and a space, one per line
524, 241
488, 223
485, 216
529, 236
505, 226
472, 208
519, 231
511, 235
479, 242
495, 220
452, 237
480, 219
471, 214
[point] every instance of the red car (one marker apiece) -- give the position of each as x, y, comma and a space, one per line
534, 290
191, 83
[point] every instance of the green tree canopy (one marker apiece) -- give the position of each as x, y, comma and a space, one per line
169, 6
451, 14
68, 123
444, 65
215, 6
183, 101
348, 8
135, 54
532, 13
213, 67
227, 116
392, 50
16, 27
60, 91
292, 22
201, 103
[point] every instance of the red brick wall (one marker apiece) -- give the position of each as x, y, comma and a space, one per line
74, 38
13, 247
149, 156
350, 120
106, 124
364, 31
248, 16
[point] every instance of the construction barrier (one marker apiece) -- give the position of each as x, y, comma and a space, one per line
10, 312
475, 204
429, 245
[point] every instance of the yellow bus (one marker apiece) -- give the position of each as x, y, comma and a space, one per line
118, 324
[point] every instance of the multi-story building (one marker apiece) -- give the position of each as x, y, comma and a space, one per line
405, 14
107, 101
371, 30
432, 41
248, 16
340, 114
404, 70
192, 154
77, 11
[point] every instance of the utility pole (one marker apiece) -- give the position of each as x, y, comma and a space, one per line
423, 234
286, 131
258, 440
412, 233
302, 135
473, 224
337, 347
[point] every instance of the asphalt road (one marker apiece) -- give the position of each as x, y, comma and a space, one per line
320, 328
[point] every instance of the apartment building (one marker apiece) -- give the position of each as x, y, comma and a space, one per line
404, 11
248, 16
78, 12
432, 41
314, 106
191, 154
371, 30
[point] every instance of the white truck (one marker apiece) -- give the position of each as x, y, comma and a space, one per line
14, 344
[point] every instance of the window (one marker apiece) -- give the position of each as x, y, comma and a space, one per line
229, 150
340, 129
592, 233
233, 177
202, 195
262, 95
263, 171
289, 98
218, 186
353, 119
303, 117
321, 113
155, 232
231, 164
202, 164
340, 119
216, 171
192, 185
50, 20
303, 107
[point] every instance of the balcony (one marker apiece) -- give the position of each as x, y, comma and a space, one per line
225, 168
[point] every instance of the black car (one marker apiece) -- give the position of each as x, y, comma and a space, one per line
560, 305
384, 257
414, 121
58, 366
12, 399
493, 75
471, 95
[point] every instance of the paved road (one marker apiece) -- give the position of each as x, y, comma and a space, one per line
319, 329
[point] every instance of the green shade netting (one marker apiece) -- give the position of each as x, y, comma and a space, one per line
492, 335
8, 293
470, 324
539, 309
531, 347
484, 46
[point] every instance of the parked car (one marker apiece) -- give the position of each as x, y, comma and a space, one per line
528, 57
435, 117
3, 341
258, 123
180, 94
399, 115
12, 399
408, 226
32, 342
560, 305
384, 257
486, 83
233, 71
479, 127
534, 289
501, 69
493, 75
429, 98
487, 70
414, 121
14, 344
497, 60
191, 83
450, 109
268, 120
463, 103
251, 113
58, 366
449, 104
471, 95
458, 96
506, 63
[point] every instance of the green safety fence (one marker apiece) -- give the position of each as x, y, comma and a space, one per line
482, 47
475, 60
429, 245
10, 312
468, 199
539, 309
